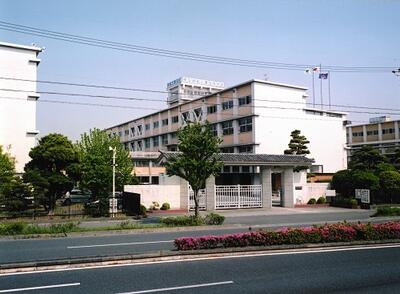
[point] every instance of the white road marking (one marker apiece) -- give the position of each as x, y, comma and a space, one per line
239, 255
179, 287
40, 288
119, 244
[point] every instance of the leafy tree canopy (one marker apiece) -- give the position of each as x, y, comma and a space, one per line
96, 163
366, 158
47, 172
7, 165
197, 159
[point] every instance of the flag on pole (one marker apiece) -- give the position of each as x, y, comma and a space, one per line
323, 76
307, 70
317, 69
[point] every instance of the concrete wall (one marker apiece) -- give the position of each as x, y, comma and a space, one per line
161, 194
276, 120
18, 111
313, 190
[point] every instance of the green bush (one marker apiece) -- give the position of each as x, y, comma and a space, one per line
13, 228
344, 202
143, 210
214, 219
387, 211
321, 200
312, 201
165, 206
185, 220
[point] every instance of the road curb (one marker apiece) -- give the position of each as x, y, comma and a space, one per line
170, 255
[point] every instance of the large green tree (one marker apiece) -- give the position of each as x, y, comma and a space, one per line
198, 157
7, 166
366, 158
48, 171
96, 163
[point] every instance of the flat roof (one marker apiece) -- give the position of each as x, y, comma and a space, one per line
23, 47
213, 94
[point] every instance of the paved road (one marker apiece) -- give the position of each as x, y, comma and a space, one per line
353, 271
12, 251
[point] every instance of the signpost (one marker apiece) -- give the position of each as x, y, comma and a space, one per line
113, 206
363, 195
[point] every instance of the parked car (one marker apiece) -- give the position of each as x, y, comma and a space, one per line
76, 196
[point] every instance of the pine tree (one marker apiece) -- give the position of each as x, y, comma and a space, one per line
298, 144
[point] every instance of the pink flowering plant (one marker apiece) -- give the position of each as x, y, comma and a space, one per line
341, 232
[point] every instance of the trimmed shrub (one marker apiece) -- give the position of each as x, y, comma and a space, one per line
387, 211
143, 210
184, 220
341, 232
321, 200
312, 201
214, 219
14, 228
165, 206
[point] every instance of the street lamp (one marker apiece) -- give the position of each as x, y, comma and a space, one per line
114, 151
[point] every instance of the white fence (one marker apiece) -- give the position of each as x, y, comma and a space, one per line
201, 196
237, 196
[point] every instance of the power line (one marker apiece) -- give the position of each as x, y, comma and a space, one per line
178, 54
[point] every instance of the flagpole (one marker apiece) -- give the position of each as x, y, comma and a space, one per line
329, 89
320, 85
313, 89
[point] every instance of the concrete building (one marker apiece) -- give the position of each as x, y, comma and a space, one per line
252, 117
381, 133
18, 100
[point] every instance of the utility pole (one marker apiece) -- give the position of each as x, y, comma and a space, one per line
114, 151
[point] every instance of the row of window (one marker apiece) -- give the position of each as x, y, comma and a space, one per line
374, 132
245, 125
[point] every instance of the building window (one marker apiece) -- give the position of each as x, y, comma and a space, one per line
164, 122
139, 130
227, 128
164, 139
246, 124
211, 109
372, 133
214, 130
133, 146
174, 119
133, 132
228, 150
244, 100
198, 112
156, 124
185, 116
147, 127
155, 141
173, 135
245, 149
139, 146
227, 104
147, 143
245, 169
126, 132
120, 133
358, 134
387, 131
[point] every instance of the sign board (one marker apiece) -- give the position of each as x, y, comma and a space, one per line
113, 205
330, 193
363, 194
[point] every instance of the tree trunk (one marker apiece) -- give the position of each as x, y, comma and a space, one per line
196, 202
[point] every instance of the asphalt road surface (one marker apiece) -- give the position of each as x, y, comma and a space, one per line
345, 270
25, 250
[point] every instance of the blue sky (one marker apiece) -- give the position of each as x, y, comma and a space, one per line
351, 33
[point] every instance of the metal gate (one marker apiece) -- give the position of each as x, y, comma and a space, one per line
238, 196
201, 196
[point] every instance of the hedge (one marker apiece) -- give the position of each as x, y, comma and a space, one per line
341, 232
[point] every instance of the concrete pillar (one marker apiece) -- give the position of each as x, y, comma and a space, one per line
184, 194
266, 182
288, 188
210, 193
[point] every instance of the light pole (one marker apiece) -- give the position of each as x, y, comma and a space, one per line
114, 151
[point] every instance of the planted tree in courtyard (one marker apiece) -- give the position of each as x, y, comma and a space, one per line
366, 158
51, 169
96, 165
298, 146
198, 157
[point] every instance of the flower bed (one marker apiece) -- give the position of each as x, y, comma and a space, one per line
341, 232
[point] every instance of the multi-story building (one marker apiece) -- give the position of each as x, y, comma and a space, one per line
186, 89
18, 74
252, 117
381, 133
